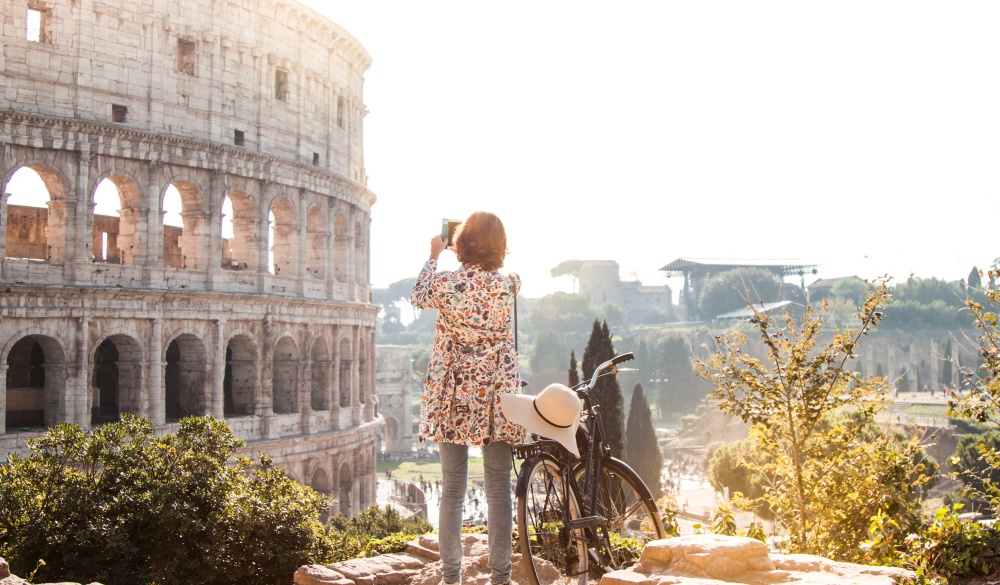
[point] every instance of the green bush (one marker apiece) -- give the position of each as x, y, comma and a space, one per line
120, 506
372, 532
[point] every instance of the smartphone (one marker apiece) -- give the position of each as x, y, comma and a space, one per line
448, 227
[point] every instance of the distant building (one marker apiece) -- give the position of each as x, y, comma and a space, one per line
697, 271
394, 387
601, 283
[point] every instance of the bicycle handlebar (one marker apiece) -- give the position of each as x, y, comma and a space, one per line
611, 363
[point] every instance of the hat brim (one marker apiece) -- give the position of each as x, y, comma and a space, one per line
520, 409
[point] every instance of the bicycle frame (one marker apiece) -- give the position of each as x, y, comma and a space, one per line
589, 526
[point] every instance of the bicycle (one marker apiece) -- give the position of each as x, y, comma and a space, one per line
575, 513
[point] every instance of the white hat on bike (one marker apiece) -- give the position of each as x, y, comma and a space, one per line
553, 414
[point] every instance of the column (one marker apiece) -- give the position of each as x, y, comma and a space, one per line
3, 399
157, 366
219, 371
79, 397
213, 232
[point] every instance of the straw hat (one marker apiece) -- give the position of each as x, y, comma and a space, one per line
553, 414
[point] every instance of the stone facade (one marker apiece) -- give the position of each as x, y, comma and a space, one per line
601, 283
257, 104
394, 381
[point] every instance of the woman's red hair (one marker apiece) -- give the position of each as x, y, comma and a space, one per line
482, 241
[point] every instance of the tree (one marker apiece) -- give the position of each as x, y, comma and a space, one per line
681, 388
852, 288
607, 394
565, 313
825, 480
549, 351
120, 506
642, 451
573, 373
975, 281
981, 400
727, 468
735, 289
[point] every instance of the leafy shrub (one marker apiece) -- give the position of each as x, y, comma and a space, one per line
946, 548
373, 532
120, 506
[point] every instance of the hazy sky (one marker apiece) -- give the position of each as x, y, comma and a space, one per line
860, 136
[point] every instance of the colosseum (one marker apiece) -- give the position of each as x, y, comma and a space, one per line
255, 306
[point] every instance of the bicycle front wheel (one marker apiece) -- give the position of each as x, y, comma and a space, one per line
629, 512
549, 548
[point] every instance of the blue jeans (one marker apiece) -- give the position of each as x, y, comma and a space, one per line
454, 483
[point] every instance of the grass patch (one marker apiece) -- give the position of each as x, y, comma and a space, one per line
926, 410
430, 470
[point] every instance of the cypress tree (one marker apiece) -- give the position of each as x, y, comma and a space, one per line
607, 394
642, 452
573, 374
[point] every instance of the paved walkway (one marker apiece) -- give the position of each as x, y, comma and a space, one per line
696, 498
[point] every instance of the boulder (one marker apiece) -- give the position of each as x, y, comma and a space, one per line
707, 559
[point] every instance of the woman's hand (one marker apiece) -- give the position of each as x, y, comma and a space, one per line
438, 245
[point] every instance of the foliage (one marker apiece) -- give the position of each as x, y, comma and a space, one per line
825, 478
680, 389
972, 466
573, 372
607, 394
948, 547
727, 468
120, 506
852, 289
669, 509
567, 314
549, 351
567, 267
981, 400
372, 532
735, 289
926, 303
642, 451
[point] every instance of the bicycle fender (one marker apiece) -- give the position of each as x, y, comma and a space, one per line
522, 478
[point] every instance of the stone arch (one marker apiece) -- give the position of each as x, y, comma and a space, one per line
317, 242
391, 433
321, 481
285, 376
345, 488
239, 384
39, 233
121, 239
341, 249
186, 387
240, 249
346, 360
116, 379
363, 382
359, 254
320, 378
185, 247
35, 382
284, 233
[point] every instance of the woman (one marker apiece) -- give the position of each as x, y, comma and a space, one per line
473, 362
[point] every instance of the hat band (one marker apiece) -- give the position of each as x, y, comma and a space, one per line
535, 406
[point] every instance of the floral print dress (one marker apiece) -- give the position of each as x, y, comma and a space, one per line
473, 360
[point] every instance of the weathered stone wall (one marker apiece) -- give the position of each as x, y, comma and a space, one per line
256, 102
394, 380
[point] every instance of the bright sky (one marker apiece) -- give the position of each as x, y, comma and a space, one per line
860, 136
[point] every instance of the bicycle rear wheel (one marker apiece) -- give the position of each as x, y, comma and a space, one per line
543, 534
630, 513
